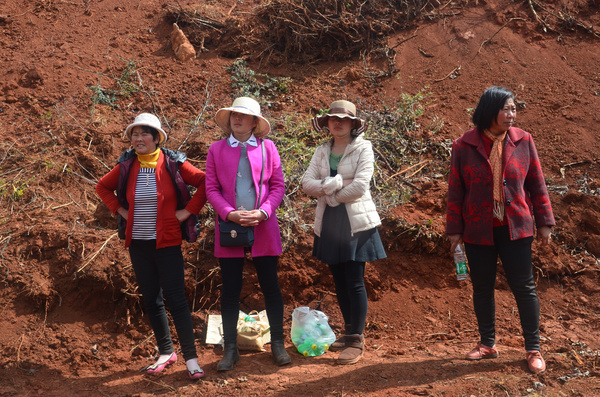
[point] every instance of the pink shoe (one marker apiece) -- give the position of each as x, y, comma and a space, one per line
536, 362
196, 374
482, 351
156, 368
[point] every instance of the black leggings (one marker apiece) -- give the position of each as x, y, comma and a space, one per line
351, 293
231, 273
516, 260
158, 272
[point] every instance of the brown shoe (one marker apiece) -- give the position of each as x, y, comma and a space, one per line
340, 343
536, 362
353, 351
482, 351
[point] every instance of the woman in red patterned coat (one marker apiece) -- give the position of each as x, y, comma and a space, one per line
496, 190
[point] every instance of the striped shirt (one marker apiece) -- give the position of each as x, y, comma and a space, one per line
144, 210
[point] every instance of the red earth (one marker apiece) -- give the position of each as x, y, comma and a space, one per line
71, 320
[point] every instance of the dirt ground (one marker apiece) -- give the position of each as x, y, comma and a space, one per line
71, 321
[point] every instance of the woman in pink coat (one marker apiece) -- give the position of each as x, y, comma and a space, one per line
244, 184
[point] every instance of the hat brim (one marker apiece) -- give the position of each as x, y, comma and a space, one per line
163, 135
320, 122
262, 129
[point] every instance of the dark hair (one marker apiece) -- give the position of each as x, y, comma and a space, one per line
150, 130
490, 103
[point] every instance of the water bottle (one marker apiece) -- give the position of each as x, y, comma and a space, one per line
460, 260
247, 318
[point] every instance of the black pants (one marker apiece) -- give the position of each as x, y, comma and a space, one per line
516, 260
231, 273
351, 293
160, 272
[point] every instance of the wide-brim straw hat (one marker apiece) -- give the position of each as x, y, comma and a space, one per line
150, 120
243, 105
342, 109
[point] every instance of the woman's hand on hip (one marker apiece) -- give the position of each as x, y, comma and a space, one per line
543, 235
455, 239
123, 212
182, 215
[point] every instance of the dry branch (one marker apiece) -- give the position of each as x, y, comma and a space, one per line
96, 253
545, 26
568, 20
198, 119
423, 163
497, 31
454, 73
403, 41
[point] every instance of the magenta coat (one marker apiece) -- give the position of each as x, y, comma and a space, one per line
221, 169
470, 190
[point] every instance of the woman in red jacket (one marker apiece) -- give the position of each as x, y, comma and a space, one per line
496, 190
149, 183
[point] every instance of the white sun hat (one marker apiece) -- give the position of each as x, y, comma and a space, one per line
150, 120
243, 105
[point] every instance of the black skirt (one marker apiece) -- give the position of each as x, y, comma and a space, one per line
337, 245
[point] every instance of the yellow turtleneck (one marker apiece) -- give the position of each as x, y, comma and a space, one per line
148, 160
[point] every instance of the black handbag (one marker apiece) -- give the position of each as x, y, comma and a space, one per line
235, 235
232, 234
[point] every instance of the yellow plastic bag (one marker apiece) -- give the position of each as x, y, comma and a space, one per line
253, 331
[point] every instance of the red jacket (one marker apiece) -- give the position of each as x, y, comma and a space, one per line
168, 231
470, 190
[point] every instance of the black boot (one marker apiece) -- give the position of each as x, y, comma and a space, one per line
279, 354
231, 356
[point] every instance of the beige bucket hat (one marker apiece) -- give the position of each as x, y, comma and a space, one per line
243, 105
342, 109
150, 120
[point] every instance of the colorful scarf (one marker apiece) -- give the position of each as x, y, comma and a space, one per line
496, 163
148, 160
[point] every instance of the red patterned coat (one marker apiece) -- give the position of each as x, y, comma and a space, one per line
470, 191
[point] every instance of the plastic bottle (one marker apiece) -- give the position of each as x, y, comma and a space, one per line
460, 260
247, 318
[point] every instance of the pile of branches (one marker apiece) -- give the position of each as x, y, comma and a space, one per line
303, 30
309, 30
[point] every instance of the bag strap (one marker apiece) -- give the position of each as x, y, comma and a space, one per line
262, 172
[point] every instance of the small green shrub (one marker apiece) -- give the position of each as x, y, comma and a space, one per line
247, 82
103, 96
13, 191
125, 85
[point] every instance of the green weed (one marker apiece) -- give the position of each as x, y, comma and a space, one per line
14, 190
125, 85
247, 82
103, 96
